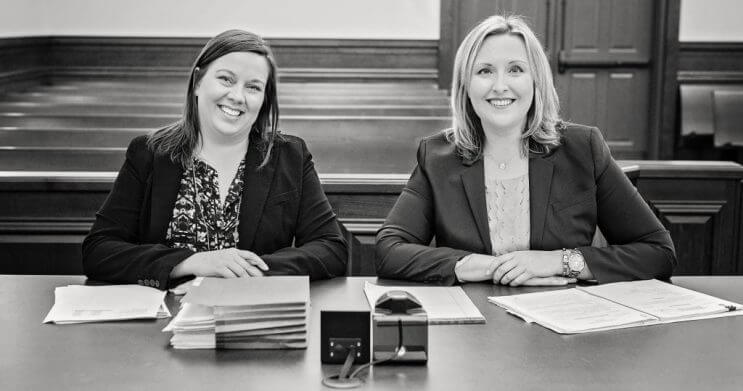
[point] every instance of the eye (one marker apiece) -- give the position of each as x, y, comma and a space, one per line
254, 87
226, 80
516, 69
484, 71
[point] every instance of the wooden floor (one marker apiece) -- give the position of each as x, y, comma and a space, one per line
85, 124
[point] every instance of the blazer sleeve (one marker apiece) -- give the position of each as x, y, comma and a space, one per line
114, 251
639, 246
402, 248
319, 250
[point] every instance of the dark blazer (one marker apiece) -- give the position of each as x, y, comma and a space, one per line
285, 218
573, 189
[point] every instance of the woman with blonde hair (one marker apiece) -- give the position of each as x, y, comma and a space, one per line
512, 194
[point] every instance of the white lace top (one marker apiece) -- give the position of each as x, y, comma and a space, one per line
508, 211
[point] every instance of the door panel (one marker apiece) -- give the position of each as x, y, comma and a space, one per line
582, 28
627, 115
581, 97
606, 32
609, 99
473, 12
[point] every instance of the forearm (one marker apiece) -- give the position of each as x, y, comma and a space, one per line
320, 257
111, 260
398, 258
632, 261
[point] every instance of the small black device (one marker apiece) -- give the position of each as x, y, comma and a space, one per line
400, 329
343, 331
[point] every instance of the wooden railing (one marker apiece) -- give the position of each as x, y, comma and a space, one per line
45, 215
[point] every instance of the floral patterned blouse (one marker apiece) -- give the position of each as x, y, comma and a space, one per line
205, 225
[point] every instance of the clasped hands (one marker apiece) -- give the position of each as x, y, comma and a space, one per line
529, 268
226, 263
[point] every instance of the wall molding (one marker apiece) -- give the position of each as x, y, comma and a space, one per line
723, 57
710, 77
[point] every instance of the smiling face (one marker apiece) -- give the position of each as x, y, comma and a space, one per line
230, 95
501, 88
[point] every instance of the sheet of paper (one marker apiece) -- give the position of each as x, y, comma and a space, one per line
81, 304
662, 300
183, 288
571, 311
442, 304
192, 317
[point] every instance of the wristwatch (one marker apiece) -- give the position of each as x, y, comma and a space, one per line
572, 263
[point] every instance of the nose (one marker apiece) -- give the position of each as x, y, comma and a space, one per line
237, 94
500, 84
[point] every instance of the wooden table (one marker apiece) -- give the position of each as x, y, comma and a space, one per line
504, 354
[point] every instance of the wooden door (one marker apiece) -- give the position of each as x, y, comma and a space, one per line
602, 74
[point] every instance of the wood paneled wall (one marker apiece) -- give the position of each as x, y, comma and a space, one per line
22, 61
298, 59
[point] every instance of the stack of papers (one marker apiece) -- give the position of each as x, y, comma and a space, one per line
243, 313
83, 304
614, 306
443, 305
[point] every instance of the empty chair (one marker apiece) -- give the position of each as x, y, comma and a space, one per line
728, 111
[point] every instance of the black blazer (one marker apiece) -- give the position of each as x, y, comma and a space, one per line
573, 189
285, 218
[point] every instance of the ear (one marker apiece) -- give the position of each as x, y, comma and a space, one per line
196, 80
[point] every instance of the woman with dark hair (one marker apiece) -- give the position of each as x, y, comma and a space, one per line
512, 194
220, 192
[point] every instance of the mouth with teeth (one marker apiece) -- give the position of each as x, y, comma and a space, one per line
230, 111
501, 103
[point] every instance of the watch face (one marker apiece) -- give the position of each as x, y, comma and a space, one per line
575, 262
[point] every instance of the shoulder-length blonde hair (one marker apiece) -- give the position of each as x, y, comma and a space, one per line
179, 139
543, 118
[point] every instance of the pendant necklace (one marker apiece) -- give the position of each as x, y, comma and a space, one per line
501, 164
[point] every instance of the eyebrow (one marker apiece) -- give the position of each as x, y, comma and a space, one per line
233, 74
509, 62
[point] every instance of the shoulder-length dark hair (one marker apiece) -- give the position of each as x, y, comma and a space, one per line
542, 122
179, 139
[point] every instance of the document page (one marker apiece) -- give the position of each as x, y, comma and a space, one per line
662, 300
250, 292
80, 304
571, 311
442, 304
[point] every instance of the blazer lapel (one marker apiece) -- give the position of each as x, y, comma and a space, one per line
540, 184
256, 186
166, 179
473, 181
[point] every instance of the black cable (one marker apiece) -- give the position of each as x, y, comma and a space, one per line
399, 351
348, 363
341, 381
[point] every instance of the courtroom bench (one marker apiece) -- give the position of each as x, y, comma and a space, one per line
711, 120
